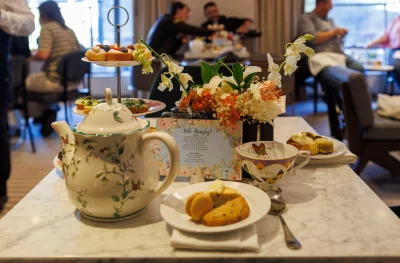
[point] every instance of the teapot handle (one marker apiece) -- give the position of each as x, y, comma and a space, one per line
173, 150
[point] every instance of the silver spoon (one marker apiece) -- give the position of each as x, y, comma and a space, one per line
278, 205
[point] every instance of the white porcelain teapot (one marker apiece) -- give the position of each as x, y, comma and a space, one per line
109, 170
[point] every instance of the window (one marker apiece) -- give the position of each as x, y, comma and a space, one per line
88, 19
366, 20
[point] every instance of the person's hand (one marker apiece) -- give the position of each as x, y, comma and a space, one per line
340, 31
243, 29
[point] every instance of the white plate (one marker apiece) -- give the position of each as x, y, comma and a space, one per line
173, 207
154, 106
114, 63
339, 149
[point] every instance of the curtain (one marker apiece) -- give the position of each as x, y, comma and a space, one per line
277, 20
146, 13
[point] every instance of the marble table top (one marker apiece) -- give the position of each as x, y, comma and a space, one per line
334, 214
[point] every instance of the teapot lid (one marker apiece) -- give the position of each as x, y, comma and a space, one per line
110, 118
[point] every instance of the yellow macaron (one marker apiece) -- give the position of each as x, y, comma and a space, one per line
325, 146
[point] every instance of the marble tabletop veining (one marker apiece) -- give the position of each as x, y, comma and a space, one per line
334, 214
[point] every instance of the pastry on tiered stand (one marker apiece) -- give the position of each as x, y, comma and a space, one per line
117, 53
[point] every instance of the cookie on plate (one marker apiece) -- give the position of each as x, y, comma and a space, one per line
325, 146
231, 212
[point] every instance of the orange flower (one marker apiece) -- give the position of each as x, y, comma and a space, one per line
269, 91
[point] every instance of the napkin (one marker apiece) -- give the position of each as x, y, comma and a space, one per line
324, 59
389, 106
242, 239
346, 158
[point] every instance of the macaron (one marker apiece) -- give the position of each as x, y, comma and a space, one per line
325, 146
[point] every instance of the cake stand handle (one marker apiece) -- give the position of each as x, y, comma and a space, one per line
118, 35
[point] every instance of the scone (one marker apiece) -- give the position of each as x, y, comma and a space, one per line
303, 142
197, 205
119, 55
227, 194
231, 212
96, 54
325, 146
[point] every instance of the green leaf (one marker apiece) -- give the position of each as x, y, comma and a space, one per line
121, 150
248, 80
233, 86
130, 170
131, 197
79, 199
115, 198
84, 204
105, 166
116, 208
217, 66
114, 159
117, 215
126, 181
120, 184
238, 73
107, 155
114, 169
124, 195
116, 117
206, 72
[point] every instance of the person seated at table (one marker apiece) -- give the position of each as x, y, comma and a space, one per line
44, 88
231, 24
391, 39
171, 31
328, 38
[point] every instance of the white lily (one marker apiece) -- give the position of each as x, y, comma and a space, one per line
213, 86
147, 68
296, 48
174, 68
256, 90
165, 83
184, 78
272, 66
275, 77
309, 52
250, 70
290, 65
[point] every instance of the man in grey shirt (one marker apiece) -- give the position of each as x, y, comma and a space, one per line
328, 37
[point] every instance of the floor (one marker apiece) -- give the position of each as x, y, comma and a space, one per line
29, 169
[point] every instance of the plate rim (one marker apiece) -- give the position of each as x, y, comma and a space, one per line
217, 229
126, 63
162, 106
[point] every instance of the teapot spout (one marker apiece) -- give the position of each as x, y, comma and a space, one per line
67, 139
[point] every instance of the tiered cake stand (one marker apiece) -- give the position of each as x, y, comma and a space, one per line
154, 106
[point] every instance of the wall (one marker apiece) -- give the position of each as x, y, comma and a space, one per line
236, 8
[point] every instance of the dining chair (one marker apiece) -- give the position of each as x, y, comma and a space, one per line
20, 69
73, 71
369, 135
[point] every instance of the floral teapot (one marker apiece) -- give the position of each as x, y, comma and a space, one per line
109, 170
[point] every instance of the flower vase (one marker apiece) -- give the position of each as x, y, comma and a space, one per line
256, 132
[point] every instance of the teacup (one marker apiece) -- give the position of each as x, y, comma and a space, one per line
268, 162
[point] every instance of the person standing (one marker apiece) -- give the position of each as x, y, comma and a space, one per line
171, 31
15, 19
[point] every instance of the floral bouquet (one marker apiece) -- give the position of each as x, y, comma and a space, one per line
240, 96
